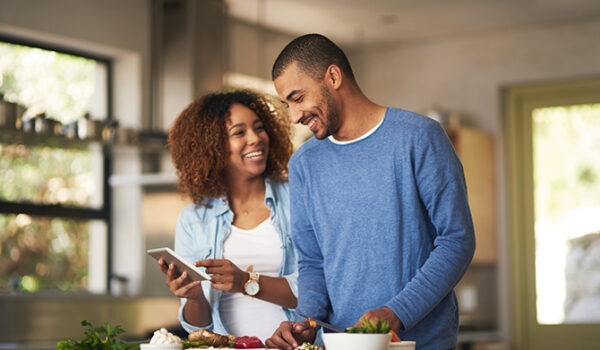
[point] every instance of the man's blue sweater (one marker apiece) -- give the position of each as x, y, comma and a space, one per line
383, 221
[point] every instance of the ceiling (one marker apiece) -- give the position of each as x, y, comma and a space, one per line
359, 22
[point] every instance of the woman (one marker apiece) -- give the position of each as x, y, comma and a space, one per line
231, 152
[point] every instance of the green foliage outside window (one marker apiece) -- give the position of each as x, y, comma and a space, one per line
46, 175
566, 144
57, 84
46, 253
40, 253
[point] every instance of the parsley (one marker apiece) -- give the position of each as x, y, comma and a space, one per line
94, 339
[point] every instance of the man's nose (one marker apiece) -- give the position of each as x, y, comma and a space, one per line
295, 114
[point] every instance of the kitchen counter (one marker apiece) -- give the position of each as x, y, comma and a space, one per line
34, 321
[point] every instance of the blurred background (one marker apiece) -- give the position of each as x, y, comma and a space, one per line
89, 89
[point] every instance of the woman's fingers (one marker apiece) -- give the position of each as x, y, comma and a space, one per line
171, 272
175, 283
225, 274
222, 282
216, 266
183, 291
164, 267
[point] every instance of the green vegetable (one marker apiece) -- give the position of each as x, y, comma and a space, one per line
193, 344
309, 346
94, 339
200, 344
371, 327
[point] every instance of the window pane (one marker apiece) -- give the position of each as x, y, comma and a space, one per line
48, 175
64, 87
40, 253
566, 146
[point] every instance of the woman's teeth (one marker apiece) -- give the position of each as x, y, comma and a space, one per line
253, 154
311, 123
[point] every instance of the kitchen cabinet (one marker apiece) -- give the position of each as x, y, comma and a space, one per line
475, 148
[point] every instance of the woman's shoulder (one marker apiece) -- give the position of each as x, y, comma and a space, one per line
278, 185
280, 190
199, 211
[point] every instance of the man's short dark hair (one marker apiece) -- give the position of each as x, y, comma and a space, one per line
313, 53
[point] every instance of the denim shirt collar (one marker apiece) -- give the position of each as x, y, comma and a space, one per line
221, 204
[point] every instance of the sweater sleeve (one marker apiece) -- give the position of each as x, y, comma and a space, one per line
313, 299
441, 185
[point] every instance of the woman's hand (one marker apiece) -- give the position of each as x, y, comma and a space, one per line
226, 275
179, 284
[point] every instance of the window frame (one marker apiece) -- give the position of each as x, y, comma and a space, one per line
74, 212
519, 103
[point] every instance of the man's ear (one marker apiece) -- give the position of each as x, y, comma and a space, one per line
334, 77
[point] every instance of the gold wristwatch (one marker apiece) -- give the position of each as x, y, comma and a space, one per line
252, 287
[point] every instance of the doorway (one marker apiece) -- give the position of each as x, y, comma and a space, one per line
553, 162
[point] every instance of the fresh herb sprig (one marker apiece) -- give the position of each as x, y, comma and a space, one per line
97, 338
370, 326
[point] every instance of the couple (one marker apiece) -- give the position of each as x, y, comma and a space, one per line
375, 222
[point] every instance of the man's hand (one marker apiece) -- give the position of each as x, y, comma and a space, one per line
384, 314
290, 335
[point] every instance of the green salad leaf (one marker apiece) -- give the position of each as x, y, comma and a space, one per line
97, 338
369, 326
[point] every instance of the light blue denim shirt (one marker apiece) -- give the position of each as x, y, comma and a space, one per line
201, 231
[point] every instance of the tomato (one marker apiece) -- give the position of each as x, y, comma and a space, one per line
246, 342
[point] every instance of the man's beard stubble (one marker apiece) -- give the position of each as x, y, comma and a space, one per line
332, 122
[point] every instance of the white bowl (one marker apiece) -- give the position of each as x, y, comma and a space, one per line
403, 345
161, 346
356, 341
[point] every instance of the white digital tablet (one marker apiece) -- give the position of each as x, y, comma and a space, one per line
169, 256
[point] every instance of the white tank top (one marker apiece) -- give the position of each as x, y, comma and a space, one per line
241, 314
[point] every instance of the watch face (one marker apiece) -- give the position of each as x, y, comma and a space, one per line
251, 288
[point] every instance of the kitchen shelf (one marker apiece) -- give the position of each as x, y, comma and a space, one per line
475, 149
145, 141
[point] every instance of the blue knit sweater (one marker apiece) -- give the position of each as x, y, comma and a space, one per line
383, 221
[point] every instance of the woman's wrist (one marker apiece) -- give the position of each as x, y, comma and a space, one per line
197, 312
244, 280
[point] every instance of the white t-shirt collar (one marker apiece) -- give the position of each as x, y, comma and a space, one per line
364, 136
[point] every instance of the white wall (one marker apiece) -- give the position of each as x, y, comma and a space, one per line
467, 74
252, 50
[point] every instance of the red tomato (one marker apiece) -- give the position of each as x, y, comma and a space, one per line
246, 342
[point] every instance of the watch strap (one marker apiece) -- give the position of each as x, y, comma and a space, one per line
254, 277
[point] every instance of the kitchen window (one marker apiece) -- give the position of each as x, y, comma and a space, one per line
54, 199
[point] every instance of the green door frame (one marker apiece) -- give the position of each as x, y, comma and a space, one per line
519, 103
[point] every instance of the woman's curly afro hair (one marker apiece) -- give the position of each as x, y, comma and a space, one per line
198, 141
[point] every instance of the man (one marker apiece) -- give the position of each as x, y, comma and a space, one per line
379, 208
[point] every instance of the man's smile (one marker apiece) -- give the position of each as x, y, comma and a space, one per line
311, 121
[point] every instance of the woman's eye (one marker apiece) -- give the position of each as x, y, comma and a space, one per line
238, 133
